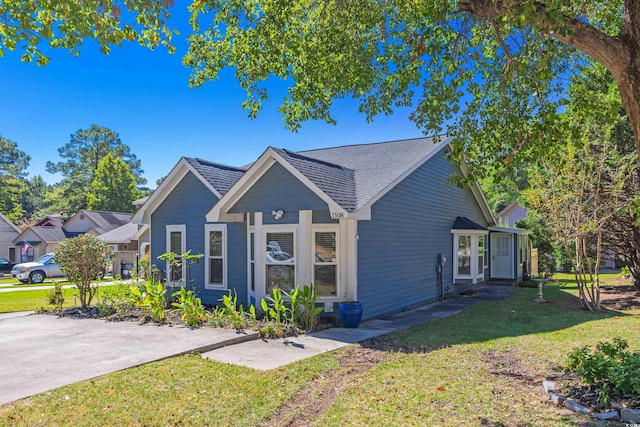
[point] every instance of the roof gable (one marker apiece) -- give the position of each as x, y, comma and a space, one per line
336, 181
220, 211
98, 221
216, 177
50, 221
9, 223
43, 233
221, 177
277, 189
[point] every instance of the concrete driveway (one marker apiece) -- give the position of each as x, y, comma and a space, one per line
42, 352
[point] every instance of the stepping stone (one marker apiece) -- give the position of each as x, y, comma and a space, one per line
630, 415
576, 407
608, 416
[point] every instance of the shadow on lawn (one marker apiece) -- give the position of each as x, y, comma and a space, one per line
517, 316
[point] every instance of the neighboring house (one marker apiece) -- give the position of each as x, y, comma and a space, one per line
127, 243
50, 221
372, 222
8, 232
511, 214
42, 238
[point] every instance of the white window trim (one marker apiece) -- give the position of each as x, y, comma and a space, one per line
485, 253
333, 229
207, 229
251, 230
474, 276
182, 228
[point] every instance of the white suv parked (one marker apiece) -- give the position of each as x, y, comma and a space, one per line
36, 271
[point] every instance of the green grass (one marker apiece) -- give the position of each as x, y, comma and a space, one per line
481, 367
15, 284
31, 300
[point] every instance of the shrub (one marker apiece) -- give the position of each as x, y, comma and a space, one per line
190, 306
115, 298
611, 368
233, 312
82, 259
309, 313
274, 306
151, 298
55, 296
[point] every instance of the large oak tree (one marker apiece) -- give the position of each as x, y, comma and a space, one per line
494, 69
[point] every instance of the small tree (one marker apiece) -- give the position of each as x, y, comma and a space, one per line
114, 186
83, 259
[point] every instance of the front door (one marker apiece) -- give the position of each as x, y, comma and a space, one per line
502, 256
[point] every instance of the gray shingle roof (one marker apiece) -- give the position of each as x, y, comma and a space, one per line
351, 175
49, 234
107, 221
464, 223
123, 234
376, 166
221, 177
336, 181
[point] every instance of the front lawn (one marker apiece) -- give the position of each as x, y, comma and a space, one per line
16, 284
481, 367
31, 300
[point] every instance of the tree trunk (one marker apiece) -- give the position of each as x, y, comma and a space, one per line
620, 54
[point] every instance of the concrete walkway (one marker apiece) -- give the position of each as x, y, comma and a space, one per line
270, 354
42, 352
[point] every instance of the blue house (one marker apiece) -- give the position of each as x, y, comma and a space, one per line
376, 223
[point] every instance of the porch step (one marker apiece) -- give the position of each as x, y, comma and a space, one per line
501, 282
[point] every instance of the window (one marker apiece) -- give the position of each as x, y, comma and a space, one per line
485, 252
280, 261
470, 254
27, 254
481, 254
252, 261
176, 243
464, 256
325, 264
216, 255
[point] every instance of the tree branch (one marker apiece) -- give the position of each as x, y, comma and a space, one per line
606, 49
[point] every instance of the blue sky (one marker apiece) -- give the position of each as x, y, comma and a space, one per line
145, 97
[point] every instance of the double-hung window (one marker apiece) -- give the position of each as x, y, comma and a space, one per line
215, 256
176, 242
280, 260
464, 256
252, 261
325, 263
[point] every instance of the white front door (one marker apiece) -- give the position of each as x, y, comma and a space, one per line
502, 256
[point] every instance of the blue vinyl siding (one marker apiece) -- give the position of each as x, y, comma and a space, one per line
278, 189
409, 227
188, 204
